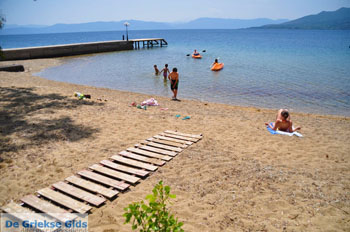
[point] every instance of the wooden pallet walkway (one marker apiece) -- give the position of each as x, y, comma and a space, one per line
79, 193
103, 180
118, 175
162, 146
149, 154
20, 212
90, 187
183, 134
167, 138
166, 142
142, 158
179, 137
156, 150
64, 200
134, 163
48, 208
119, 167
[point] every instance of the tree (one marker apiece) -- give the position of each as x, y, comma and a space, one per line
2, 21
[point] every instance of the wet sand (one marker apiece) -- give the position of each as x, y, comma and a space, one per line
237, 178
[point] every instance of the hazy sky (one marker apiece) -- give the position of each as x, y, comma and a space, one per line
48, 12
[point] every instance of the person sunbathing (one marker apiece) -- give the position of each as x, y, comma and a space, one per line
283, 122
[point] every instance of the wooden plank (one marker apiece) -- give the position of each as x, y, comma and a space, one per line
79, 193
142, 158
148, 153
88, 185
134, 163
158, 145
115, 174
157, 150
21, 213
64, 200
173, 139
179, 137
48, 208
123, 168
183, 134
104, 180
168, 143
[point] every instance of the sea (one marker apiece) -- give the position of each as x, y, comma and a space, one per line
302, 70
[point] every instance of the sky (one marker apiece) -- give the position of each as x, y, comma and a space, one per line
49, 12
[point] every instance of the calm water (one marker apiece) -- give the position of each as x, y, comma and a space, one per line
306, 71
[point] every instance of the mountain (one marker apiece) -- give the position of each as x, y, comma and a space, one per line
201, 23
326, 20
219, 23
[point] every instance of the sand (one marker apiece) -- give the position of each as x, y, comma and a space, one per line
237, 178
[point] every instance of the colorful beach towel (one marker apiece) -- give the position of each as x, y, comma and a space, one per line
150, 102
274, 132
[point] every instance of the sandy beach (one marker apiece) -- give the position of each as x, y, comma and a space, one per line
237, 178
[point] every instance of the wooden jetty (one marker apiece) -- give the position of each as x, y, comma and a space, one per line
76, 49
149, 42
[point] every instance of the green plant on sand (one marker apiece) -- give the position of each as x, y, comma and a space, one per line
155, 216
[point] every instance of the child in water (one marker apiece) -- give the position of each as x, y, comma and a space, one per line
174, 83
165, 71
156, 70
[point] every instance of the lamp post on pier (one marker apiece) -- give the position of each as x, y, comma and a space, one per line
126, 24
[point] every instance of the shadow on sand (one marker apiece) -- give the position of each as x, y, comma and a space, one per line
21, 126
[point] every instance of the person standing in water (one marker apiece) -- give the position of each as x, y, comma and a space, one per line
165, 71
174, 83
156, 70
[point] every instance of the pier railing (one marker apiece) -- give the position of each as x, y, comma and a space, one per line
149, 42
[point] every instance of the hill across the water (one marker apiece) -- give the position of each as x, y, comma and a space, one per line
326, 20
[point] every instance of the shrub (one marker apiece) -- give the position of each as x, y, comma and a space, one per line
155, 216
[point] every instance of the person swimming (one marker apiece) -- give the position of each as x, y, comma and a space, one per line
283, 122
165, 71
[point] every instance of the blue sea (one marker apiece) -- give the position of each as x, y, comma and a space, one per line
303, 70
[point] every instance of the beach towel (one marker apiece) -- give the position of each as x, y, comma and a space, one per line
274, 132
150, 102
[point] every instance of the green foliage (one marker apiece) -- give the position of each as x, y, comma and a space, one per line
155, 216
2, 21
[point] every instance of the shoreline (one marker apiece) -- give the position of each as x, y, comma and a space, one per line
62, 61
237, 178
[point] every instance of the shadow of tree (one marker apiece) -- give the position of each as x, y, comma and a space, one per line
20, 108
